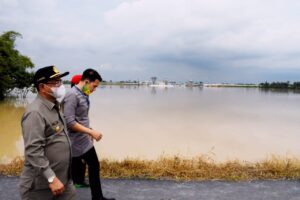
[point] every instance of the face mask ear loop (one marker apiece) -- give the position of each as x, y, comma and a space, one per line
50, 89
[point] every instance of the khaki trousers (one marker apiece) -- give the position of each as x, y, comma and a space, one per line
46, 194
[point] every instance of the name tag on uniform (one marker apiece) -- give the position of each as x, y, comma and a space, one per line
56, 126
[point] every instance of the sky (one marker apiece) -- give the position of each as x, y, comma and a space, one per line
249, 41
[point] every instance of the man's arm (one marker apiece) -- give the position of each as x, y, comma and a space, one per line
77, 127
70, 106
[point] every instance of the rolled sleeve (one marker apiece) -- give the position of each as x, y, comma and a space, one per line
69, 105
33, 127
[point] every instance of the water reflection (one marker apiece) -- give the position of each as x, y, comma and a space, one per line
153, 91
238, 122
146, 122
283, 91
11, 143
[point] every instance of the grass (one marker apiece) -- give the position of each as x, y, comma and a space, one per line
178, 168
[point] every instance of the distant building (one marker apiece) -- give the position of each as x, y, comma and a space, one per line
153, 79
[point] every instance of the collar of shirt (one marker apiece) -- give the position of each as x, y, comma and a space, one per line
80, 91
87, 97
47, 103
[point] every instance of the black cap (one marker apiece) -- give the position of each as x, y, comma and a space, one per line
45, 74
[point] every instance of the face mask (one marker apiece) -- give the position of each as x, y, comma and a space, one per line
86, 89
58, 93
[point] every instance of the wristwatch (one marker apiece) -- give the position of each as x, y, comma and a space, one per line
51, 179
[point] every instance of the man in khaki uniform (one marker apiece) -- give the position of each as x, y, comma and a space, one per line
46, 173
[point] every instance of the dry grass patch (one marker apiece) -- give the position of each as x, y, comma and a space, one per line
12, 169
178, 168
202, 169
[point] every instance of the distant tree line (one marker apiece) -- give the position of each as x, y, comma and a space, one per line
280, 85
67, 82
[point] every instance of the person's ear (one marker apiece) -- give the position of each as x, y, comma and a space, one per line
40, 86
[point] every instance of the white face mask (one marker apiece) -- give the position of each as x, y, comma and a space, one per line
58, 93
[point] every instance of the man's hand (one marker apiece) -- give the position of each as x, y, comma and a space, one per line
56, 187
96, 135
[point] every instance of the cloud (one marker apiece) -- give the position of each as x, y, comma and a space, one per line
217, 40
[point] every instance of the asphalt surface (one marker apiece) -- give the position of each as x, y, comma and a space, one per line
123, 189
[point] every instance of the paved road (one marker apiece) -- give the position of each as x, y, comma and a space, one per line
123, 189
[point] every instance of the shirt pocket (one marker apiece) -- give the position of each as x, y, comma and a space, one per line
54, 128
57, 127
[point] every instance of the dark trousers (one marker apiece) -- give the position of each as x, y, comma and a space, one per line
91, 159
78, 169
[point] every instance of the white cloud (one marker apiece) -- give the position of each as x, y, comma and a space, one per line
147, 37
227, 24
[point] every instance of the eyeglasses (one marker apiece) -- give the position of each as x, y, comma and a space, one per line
55, 83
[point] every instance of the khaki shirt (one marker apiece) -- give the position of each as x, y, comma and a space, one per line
47, 145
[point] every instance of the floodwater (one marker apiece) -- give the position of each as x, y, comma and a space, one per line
147, 122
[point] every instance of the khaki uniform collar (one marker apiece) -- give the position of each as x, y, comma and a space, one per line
46, 102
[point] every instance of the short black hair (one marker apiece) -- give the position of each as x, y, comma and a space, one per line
91, 75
